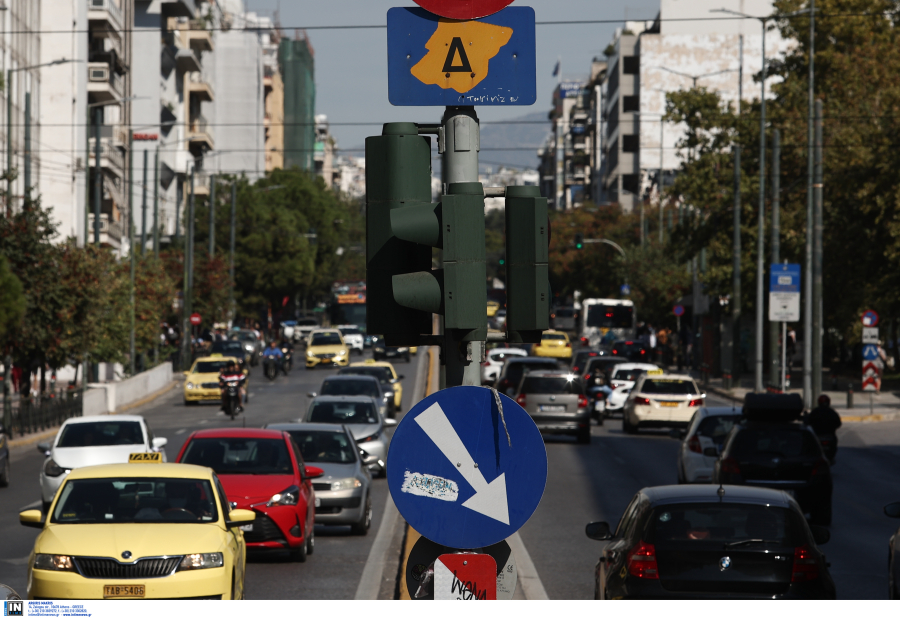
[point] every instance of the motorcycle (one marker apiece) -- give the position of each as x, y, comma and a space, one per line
231, 396
270, 367
829, 446
597, 398
288, 362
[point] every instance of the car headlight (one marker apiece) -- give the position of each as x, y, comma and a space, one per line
189, 386
402, 349
51, 468
287, 497
342, 352
342, 484
248, 347
371, 438
193, 562
53, 562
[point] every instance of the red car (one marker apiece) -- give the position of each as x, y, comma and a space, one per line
262, 470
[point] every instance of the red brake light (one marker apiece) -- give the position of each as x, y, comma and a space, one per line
629, 343
805, 565
821, 467
642, 561
584, 341
730, 466
582, 401
694, 445
587, 376
521, 400
695, 402
615, 351
641, 401
568, 345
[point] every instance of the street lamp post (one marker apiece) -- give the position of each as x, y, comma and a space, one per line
661, 135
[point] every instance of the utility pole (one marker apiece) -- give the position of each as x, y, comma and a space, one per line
212, 216
736, 243
9, 149
662, 126
27, 151
761, 222
98, 176
188, 278
818, 323
231, 260
131, 243
808, 267
144, 206
776, 250
156, 203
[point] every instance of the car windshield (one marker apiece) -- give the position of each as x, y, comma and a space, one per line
324, 446
135, 500
610, 316
227, 346
326, 339
774, 440
382, 373
533, 385
668, 387
677, 524
246, 337
514, 371
100, 433
628, 374
348, 412
210, 366
351, 387
717, 427
350, 331
240, 455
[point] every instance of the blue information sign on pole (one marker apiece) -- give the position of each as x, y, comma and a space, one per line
438, 61
784, 292
455, 473
870, 352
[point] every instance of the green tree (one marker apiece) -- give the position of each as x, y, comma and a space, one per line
12, 299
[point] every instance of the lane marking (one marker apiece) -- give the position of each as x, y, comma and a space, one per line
180, 431
370, 582
529, 580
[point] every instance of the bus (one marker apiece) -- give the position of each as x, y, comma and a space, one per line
606, 320
348, 305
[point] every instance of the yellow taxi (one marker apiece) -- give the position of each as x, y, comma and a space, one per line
325, 346
554, 344
492, 308
386, 370
141, 530
201, 383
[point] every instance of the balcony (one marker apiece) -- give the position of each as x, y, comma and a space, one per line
111, 158
110, 232
199, 87
187, 62
194, 35
105, 14
104, 84
199, 135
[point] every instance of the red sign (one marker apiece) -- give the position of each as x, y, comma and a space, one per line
465, 577
463, 9
145, 137
870, 318
195, 319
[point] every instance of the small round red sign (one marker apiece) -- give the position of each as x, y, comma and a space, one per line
195, 319
463, 9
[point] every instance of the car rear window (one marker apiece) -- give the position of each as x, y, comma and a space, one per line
717, 427
382, 373
350, 387
534, 385
500, 356
514, 371
628, 374
668, 387
324, 446
776, 441
240, 455
605, 364
351, 413
565, 313
553, 337
680, 524
350, 331
106, 433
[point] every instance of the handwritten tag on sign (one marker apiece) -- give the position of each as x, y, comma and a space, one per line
465, 577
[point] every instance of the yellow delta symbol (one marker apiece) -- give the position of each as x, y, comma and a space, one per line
459, 53
145, 458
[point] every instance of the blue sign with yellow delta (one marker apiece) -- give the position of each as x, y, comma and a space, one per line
438, 61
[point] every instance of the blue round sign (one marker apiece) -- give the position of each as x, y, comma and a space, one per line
625, 290
455, 475
678, 310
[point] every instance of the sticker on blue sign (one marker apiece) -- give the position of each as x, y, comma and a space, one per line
457, 477
437, 61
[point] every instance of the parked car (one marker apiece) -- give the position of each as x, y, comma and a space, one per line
343, 492
262, 470
711, 542
493, 362
353, 337
703, 441
622, 380
91, 441
632, 350
771, 448
554, 344
5, 468
385, 373
556, 403
515, 367
661, 400
360, 415
893, 510
368, 386
326, 346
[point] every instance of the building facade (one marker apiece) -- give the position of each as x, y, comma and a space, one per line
297, 67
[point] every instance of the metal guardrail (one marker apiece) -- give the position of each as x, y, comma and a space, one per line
30, 415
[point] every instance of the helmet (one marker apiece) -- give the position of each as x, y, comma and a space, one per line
824, 400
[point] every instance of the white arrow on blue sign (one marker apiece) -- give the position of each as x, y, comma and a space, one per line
454, 476
870, 351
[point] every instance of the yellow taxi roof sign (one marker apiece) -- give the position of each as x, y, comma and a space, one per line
655, 372
145, 458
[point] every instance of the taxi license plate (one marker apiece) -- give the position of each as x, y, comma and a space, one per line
553, 408
669, 404
124, 591
247, 528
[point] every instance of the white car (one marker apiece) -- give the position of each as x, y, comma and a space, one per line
303, 328
661, 400
493, 362
353, 337
622, 381
91, 441
703, 441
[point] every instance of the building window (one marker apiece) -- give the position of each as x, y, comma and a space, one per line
630, 183
630, 143
631, 65
631, 103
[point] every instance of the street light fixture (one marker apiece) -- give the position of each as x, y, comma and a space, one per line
694, 78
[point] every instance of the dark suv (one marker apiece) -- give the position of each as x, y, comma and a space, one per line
770, 448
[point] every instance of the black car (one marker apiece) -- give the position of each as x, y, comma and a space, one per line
4, 457
770, 448
632, 350
231, 348
711, 542
893, 510
381, 351
606, 365
581, 358
516, 366
361, 385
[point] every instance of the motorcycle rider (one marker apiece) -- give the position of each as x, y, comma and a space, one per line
274, 352
231, 371
287, 348
824, 421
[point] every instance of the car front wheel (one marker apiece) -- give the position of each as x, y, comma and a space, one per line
361, 527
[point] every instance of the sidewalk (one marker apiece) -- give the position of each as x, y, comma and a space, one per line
867, 407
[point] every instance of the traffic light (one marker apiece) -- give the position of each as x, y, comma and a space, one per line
527, 269
398, 175
579, 240
457, 291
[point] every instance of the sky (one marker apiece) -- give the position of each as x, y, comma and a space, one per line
351, 65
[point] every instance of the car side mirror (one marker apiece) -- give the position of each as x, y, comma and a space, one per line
598, 530
44, 448
390, 422
159, 442
892, 509
312, 394
821, 534
312, 472
32, 518
711, 451
240, 517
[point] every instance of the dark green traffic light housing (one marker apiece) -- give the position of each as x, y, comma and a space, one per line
579, 241
527, 265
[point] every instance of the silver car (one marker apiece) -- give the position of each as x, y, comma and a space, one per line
556, 403
369, 386
343, 493
361, 416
